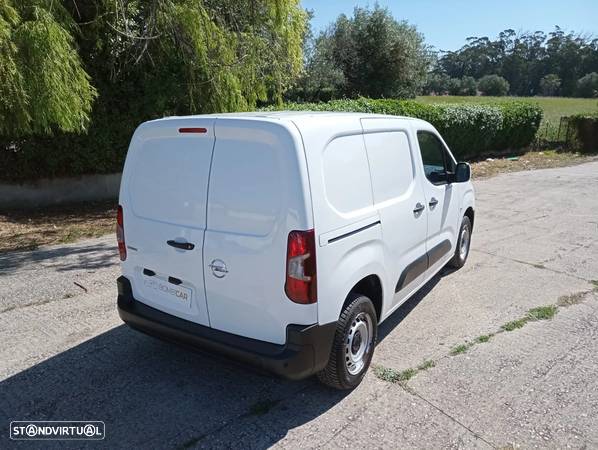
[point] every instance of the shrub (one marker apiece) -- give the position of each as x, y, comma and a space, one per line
584, 132
471, 131
494, 85
587, 86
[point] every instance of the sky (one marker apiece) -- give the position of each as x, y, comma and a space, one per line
447, 23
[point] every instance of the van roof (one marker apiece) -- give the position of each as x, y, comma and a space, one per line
287, 115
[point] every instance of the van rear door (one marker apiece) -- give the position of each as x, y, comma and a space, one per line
163, 195
258, 193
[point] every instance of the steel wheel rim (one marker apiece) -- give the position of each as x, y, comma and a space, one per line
358, 343
464, 248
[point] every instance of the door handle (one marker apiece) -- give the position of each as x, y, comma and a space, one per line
418, 208
433, 202
181, 245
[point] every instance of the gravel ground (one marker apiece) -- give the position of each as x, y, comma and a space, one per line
64, 354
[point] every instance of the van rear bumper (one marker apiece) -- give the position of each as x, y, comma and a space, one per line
305, 352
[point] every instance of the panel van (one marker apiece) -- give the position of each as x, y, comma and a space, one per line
283, 239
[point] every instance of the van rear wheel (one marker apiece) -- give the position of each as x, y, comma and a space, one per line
353, 346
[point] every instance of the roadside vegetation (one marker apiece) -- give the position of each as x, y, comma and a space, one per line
28, 229
101, 79
539, 313
553, 109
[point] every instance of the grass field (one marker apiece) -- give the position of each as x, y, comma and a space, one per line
554, 108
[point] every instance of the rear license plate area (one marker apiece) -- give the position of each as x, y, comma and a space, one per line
162, 291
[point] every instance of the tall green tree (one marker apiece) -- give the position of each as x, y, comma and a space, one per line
141, 59
43, 82
377, 55
524, 59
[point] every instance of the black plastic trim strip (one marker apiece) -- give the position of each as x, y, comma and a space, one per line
438, 251
305, 352
421, 264
412, 271
351, 233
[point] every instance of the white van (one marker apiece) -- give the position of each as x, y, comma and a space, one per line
283, 238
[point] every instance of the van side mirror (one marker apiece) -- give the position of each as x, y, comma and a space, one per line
462, 173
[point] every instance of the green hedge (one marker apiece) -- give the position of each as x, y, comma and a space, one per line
471, 131
582, 132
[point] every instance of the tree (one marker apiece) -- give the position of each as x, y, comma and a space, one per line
184, 56
437, 84
44, 84
550, 85
494, 85
469, 86
523, 59
322, 79
378, 56
454, 86
587, 86
146, 59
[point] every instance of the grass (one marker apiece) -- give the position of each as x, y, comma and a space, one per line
427, 364
483, 338
28, 229
570, 300
514, 324
539, 313
554, 108
528, 161
542, 313
392, 375
461, 348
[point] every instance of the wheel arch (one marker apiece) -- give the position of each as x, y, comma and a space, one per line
470, 213
371, 287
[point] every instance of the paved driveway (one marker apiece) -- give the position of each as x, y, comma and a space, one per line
64, 354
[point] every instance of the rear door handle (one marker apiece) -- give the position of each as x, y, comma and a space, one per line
433, 202
181, 245
418, 208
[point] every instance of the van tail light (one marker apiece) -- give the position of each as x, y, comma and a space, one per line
120, 234
301, 286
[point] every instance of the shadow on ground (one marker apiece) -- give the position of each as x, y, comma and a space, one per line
63, 258
154, 394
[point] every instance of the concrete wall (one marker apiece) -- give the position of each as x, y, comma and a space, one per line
61, 190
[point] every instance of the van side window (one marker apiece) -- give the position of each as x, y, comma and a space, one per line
437, 162
346, 174
390, 163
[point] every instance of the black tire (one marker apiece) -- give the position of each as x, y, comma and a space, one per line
460, 257
337, 373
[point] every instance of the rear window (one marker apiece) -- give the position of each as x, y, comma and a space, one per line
170, 179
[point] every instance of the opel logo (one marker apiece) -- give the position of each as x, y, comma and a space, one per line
218, 267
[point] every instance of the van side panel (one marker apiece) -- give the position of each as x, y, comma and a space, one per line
397, 191
257, 195
347, 225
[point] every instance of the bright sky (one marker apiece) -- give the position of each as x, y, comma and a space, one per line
447, 23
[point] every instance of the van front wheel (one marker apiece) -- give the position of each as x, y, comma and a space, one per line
463, 243
353, 345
